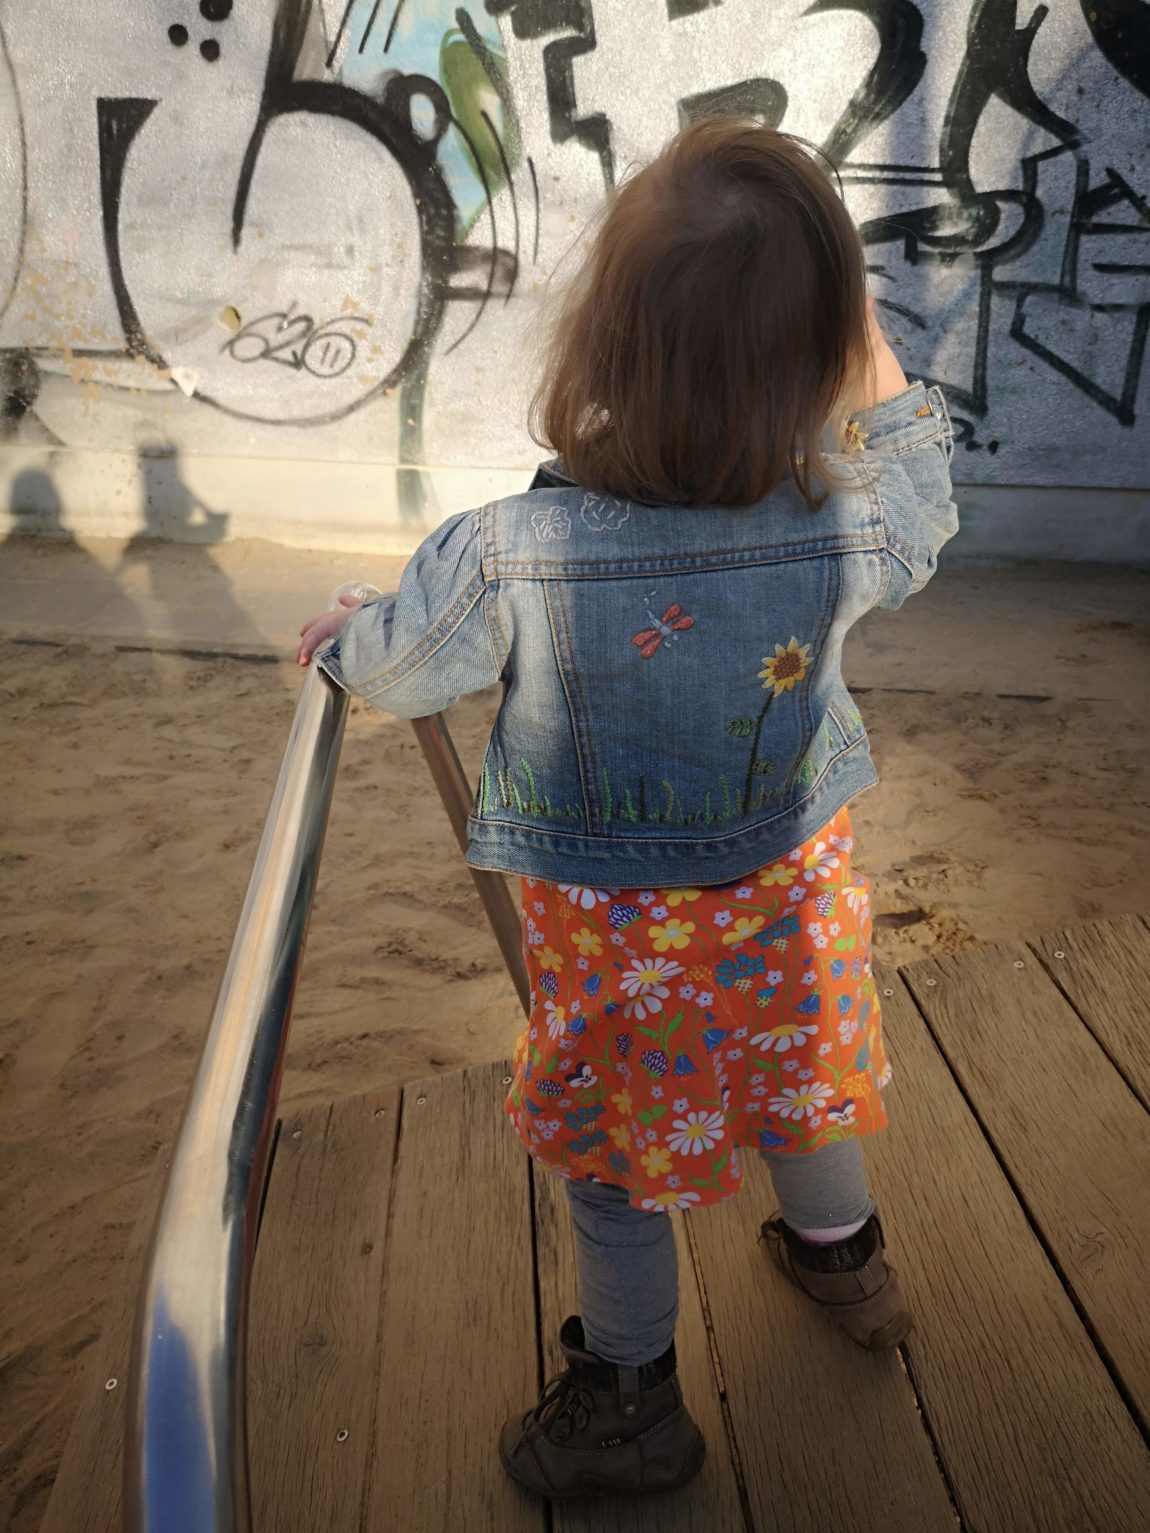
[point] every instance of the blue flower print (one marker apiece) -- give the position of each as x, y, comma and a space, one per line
593, 984
713, 1037
810, 1007
619, 1162
551, 523
533, 1108
579, 1117
838, 968
683, 1066
787, 926
862, 1058
844, 1005
769, 1140
576, 1026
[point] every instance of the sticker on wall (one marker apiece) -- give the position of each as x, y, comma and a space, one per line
185, 379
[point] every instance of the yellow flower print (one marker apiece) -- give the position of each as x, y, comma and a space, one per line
622, 1100
589, 943
621, 1134
673, 933
675, 897
786, 667
744, 927
656, 1161
778, 874
549, 959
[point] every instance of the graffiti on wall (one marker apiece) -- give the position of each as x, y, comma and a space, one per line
246, 223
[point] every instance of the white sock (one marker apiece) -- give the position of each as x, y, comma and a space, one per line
830, 1236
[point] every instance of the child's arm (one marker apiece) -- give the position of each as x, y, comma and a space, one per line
910, 436
908, 427
414, 653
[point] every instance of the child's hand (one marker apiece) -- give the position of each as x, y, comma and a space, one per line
318, 630
889, 378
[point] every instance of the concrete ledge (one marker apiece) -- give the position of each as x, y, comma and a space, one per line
385, 509
1009, 522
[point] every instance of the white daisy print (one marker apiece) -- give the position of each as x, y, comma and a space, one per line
695, 1132
583, 896
803, 1101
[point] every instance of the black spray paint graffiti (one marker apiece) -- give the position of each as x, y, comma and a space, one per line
958, 223
409, 118
295, 340
952, 224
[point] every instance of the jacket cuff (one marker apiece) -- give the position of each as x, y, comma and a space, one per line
327, 657
911, 419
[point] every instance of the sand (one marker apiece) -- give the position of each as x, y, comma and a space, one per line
135, 785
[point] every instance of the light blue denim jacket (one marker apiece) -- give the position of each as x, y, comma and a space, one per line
673, 710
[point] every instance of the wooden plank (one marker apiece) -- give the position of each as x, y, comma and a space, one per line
458, 1333
1103, 968
710, 1504
87, 1493
1031, 1430
1073, 1137
829, 1436
315, 1314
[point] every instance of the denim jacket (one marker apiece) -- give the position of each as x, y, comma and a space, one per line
673, 708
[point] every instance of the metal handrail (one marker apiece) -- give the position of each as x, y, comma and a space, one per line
185, 1443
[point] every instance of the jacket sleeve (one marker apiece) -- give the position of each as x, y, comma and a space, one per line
909, 445
417, 651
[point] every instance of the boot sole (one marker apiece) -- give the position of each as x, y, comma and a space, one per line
690, 1469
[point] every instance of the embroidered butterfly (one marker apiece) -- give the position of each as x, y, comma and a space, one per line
673, 622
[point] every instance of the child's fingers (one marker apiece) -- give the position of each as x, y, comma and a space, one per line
351, 601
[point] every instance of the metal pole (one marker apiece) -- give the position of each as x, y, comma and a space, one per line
455, 791
185, 1449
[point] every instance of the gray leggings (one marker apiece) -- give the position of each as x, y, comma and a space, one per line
628, 1269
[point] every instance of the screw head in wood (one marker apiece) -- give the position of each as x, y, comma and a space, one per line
507, 1080
888, 992
932, 982
379, 1111
342, 1435
420, 1101
1058, 953
110, 1383
1018, 964
297, 1133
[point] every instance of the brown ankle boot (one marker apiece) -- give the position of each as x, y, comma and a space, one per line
602, 1430
850, 1281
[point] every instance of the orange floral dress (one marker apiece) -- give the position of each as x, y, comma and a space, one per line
671, 1027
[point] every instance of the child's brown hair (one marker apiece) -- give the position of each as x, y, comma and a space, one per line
715, 326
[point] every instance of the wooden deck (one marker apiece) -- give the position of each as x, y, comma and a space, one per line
412, 1274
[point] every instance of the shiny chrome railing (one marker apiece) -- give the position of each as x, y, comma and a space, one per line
185, 1448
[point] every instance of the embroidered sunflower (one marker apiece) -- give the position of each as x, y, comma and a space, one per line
786, 667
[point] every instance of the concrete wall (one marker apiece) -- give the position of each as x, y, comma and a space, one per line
274, 268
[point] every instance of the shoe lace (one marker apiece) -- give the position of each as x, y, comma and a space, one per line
564, 1407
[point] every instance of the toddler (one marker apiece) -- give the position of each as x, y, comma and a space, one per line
742, 472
